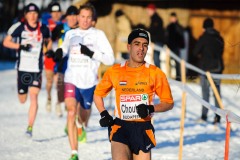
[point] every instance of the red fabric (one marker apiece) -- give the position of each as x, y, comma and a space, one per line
51, 24
49, 63
69, 90
151, 6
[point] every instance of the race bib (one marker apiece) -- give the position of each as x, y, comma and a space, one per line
128, 105
78, 61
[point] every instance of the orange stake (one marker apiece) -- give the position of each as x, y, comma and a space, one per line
228, 130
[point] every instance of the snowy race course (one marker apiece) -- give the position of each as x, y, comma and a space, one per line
201, 141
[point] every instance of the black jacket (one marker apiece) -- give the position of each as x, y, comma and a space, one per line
156, 29
209, 50
174, 36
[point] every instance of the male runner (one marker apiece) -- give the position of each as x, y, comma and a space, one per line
32, 35
83, 114
49, 64
58, 34
135, 82
86, 47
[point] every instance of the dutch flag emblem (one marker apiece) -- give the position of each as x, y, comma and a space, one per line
123, 83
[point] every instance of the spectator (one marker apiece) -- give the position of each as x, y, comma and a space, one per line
191, 74
123, 30
156, 31
209, 50
58, 34
49, 64
175, 39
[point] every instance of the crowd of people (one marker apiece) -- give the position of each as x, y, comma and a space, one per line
209, 48
172, 35
69, 49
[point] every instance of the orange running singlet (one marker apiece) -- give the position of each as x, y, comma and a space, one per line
134, 86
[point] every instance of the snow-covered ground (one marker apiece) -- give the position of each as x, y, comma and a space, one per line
201, 141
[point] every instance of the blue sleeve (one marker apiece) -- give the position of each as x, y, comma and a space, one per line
45, 16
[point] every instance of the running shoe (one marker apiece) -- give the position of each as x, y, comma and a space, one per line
201, 121
82, 135
29, 131
216, 119
59, 110
48, 106
74, 157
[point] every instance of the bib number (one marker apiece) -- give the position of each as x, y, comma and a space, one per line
128, 105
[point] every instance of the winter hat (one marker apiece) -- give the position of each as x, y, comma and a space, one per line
151, 6
31, 7
138, 33
208, 23
72, 10
54, 7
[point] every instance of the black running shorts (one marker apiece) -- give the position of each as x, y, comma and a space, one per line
28, 79
137, 135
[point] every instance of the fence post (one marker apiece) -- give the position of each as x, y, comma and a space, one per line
183, 77
228, 130
167, 62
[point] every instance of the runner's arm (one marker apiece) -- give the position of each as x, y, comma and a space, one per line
65, 45
49, 44
104, 53
102, 90
163, 107
47, 39
163, 91
106, 119
7, 42
14, 31
98, 100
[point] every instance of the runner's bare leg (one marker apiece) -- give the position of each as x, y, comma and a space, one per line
33, 93
71, 104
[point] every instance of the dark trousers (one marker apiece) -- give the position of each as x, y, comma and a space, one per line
206, 95
178, 66
156, 58
156, 55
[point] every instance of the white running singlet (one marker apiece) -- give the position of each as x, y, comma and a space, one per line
82, 71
